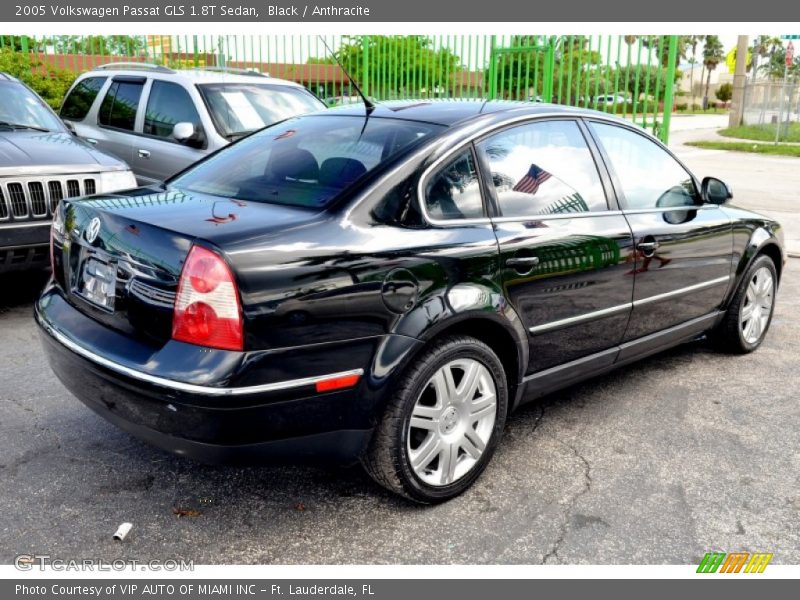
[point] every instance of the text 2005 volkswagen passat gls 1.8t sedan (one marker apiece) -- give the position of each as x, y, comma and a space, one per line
385, 285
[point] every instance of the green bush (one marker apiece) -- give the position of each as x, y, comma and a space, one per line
681, 106
49, 82
724, 92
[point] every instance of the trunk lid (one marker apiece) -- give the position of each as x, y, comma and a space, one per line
122, 255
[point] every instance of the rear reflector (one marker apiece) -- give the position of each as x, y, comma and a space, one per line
337, 383
207, 309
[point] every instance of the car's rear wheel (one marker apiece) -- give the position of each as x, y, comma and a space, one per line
749, 315
442, 425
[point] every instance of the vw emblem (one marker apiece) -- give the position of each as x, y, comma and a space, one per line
90, 233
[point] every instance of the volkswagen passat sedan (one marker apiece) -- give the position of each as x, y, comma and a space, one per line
388, 287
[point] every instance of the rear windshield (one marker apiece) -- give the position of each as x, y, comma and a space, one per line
241, 108
304, 161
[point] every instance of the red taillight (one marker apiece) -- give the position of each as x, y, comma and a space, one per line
207, 309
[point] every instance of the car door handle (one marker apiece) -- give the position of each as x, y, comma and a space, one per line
91, 141
523, 261
647, 247
144, 153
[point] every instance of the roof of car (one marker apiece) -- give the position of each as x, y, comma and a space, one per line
199, 75
450, 112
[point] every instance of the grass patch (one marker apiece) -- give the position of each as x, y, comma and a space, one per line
762, 133
780, 150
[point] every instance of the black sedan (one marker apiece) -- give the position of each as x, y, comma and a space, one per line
387, 285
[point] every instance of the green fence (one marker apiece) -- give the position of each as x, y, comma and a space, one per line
633, 76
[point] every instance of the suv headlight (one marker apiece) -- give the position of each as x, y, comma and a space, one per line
113, 181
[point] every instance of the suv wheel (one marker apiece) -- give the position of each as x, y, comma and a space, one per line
442, 425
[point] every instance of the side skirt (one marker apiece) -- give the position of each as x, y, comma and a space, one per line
556, 378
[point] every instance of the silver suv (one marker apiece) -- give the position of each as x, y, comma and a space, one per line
161, 120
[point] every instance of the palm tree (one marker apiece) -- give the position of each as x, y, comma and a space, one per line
763, 46
691, 42
713, 54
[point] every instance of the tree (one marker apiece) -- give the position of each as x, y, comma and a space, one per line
691, 42
50, 83
724, 92
119, 45
713, 54
775, 67
763, 46
398, 66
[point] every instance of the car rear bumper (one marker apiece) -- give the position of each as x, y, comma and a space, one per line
284, 419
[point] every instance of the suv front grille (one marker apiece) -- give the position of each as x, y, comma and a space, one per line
34, 198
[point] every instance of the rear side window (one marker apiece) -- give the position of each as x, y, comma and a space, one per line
454, 191
77, 104
543, 168
648, 175
120, 105
167, 105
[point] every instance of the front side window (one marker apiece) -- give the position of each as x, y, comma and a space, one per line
77, 104
241, 108
454, 191
305, 161
648, 175
543, 168
168, 104
120, 105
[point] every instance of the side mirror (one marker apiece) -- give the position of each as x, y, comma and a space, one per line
70, 127
183, 131
715, 191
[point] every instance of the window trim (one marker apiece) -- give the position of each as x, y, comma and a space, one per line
617, 183
138, 106
496, 128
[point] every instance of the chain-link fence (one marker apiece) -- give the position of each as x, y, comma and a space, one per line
773, 102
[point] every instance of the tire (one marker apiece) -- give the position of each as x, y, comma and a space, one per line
438, 455
737, 333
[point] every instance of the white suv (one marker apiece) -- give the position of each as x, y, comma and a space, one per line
160, 120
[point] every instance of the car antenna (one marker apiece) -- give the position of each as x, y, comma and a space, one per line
367, 102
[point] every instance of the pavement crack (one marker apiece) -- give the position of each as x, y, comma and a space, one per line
570, 505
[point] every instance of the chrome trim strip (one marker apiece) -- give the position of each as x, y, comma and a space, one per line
590, 316
13, 225
190, 387
612, 310
681, 291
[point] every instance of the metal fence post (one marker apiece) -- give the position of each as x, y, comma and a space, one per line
492, 69
365, 65
669, 88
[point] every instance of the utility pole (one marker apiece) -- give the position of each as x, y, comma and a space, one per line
739, 82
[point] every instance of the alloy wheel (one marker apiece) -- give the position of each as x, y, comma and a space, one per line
452, 422
757, 307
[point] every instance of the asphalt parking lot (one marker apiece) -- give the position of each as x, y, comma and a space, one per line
685, 452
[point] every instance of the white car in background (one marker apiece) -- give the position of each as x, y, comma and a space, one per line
161, 120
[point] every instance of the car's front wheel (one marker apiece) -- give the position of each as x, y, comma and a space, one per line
750, 312
442, 425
